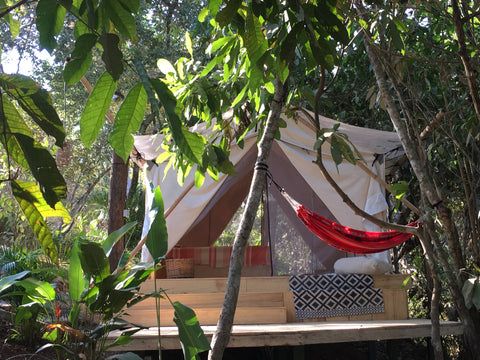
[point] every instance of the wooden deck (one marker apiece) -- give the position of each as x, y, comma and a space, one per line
262, 300
295, 334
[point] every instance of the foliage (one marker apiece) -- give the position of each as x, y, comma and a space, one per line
105, 295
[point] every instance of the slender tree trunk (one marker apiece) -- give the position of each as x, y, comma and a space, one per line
435, 299
434, 199
470, 73
224, 326
117, 199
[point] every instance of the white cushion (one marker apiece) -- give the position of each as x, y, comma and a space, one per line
361, 265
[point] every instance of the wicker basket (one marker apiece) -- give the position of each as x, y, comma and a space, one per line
179, 268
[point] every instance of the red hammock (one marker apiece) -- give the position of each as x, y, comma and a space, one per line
345, 238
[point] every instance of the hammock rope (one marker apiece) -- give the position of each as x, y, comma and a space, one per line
343, 237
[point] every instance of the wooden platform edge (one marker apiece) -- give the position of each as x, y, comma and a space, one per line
295, 334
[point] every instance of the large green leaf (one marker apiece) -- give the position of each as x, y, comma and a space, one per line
7, 281
28, 153
76, 278
112, 56
81, 59
13, 120
287, 49
191, 335
157, 237
128, 120
113, 237
44, 169
50, 16
190, 144
98, 102
131, 5
121, 18
254, 39
36, 210
36, 290
225, 16
36, 102
194, 145
93, 260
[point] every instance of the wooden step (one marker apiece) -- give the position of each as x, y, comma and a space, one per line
215, 285
209, 316
215, 300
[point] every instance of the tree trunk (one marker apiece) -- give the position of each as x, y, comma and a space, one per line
434, 199
224, 326
470, 73
117, 198
435, 299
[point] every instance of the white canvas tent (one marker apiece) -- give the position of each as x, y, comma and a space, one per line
197, 216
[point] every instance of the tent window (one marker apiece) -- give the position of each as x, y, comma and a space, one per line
228, 235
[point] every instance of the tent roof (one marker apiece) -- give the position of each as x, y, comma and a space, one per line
303, 135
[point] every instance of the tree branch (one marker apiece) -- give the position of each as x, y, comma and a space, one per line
470, 73
9, 9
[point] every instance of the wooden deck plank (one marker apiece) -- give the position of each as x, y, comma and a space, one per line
215, 300
209, 316
294, 334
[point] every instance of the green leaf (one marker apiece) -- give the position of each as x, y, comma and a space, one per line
240, 96
36, 102
37, 289
93, 260
98, 102
124, 338
112, 56
287, 49
225, 16
44, 169
254, 39
394, 35
190, 144
188, 44
194, 145
191, 335
30, 154
128, 120
36, 210
81, 59
213, 6
131, 5
157, 237
13, 119
14, 25
199, 178
7, 281
49, 20
336, 151
165, 66
113, 237
203, 15
399, 189
121, 18
76, 278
